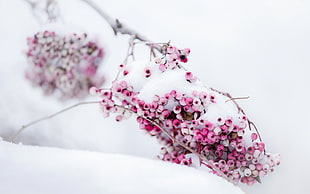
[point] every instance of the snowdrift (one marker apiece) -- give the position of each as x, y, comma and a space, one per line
37, 170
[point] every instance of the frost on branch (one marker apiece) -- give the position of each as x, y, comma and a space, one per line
188, 118
66, 65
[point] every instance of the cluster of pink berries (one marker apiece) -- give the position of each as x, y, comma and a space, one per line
172, 58
65, 65
181, 121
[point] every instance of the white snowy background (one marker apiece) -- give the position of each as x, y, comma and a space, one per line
248, 48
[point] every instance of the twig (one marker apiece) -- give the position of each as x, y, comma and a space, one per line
49, 7
10, 139
130, 51
238, 98
51, 10
119, 27
260, 138
32, 4
231, 98
250, 123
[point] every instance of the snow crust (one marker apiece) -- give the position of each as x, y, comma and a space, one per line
37, 170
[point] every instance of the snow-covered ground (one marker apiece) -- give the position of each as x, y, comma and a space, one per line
36, 170
258, 49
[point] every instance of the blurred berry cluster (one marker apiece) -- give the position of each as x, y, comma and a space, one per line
63, 65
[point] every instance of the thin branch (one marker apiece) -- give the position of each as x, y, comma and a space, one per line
119, 27
250, 123
260, 138
49, 8
231, 98
130, 51
10, 139
238, 98
115, 24
32, 4
52, 9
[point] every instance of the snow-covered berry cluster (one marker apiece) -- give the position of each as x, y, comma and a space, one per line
188, 118
66, 65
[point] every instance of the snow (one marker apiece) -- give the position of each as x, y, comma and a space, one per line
37, 170
161, 83
258, 49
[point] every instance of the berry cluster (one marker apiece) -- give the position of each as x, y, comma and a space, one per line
173, 57
66, 65
189, 119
